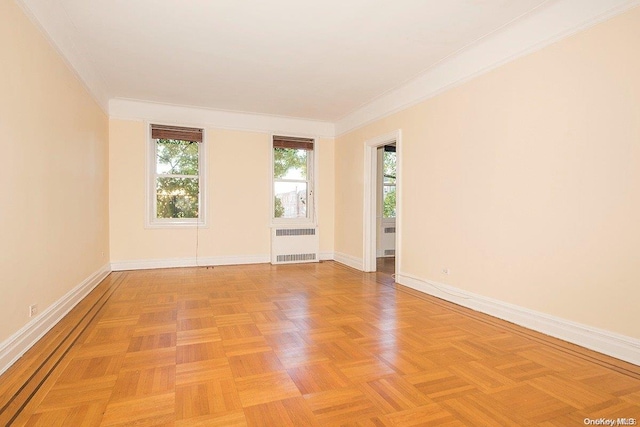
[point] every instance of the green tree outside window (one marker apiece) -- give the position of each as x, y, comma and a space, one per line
389, 184
290, 175
177, 179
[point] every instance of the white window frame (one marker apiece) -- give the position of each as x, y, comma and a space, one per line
151, 219
312, 166
390, 219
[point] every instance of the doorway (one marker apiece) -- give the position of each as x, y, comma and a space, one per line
382, 228
386, 208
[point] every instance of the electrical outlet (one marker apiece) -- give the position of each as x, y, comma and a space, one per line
33, 310
445, 271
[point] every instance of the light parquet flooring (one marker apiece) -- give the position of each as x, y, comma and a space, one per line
300, 345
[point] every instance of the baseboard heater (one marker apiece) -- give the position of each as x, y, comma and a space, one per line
388, 240
294, 245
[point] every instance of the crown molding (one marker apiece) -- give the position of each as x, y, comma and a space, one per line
128, 109
549, 23
57, 31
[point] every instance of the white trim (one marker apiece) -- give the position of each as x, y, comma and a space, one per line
369, 231
128, 109
17, 344
546, 25
605, 342
552, 21
312, 218
326, 256
150, 194
380, 254
146, 264
349, 260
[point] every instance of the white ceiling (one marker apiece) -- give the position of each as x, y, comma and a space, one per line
298, 58
322, 60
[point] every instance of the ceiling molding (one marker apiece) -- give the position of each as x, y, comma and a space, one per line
57, 30
127, 109
550, 23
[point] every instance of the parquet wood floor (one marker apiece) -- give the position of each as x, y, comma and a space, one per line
300, 345
386, 265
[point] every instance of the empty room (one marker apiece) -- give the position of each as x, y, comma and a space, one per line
297, 213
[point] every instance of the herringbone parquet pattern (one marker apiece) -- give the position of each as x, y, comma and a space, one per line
305, 345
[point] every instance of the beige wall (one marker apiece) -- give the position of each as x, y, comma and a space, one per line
54, 211
524, 182
238, 191
326, 194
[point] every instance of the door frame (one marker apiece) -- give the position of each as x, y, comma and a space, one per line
370, 197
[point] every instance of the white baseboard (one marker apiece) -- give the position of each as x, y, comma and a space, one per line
349, 260
326, 256
380, 254
17, 344
145, 264
605, 342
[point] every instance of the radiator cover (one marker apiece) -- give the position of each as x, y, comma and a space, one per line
293, 245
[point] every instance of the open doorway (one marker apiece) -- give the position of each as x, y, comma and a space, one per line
386, 208
382, 203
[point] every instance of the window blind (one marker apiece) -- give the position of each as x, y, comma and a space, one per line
176, 132
292, 142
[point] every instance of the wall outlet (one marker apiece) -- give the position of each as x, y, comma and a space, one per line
33, 310
445, 270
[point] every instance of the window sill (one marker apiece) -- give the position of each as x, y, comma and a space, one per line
175, 225
293, 223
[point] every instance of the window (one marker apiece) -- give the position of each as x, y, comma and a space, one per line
292, 178
389, 182
176, 178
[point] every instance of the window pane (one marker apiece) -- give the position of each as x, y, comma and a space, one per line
290, 200
389, 167
289, 163
389, 201
176, 157
177, 197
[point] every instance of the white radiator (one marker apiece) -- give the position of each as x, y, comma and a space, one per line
294, 245
387, 246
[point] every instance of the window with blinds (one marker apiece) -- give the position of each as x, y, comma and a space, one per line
176, 181
292, 178
389, 182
